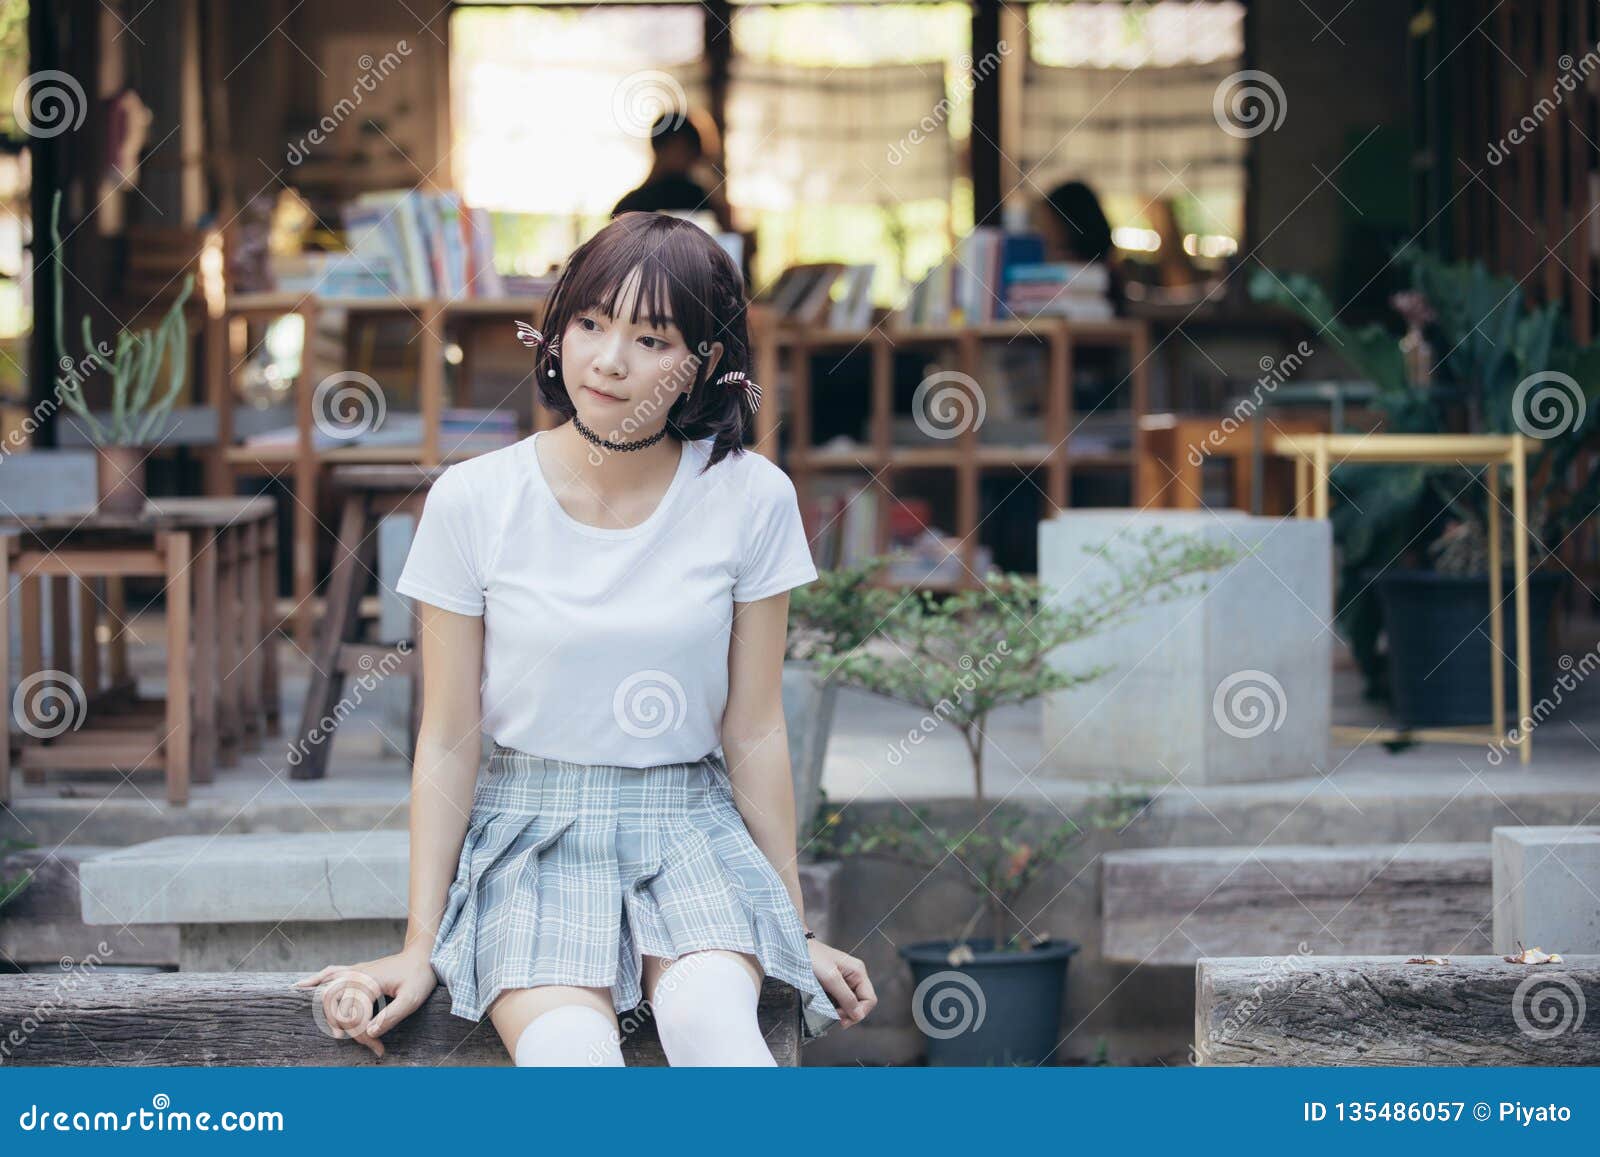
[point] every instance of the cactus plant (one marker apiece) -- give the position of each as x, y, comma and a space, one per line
134, 365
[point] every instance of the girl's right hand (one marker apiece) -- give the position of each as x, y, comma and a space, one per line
406, 978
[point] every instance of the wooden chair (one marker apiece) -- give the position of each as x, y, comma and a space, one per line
369, 494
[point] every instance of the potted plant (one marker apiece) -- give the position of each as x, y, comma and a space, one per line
1414, 539
12, 886
830, 616
961, 659
134, 365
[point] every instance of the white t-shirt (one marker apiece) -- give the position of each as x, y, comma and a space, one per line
606, 645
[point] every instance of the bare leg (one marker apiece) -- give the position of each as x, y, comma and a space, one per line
704, 1005
558, 1024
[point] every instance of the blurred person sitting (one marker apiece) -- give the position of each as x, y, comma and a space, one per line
1075, 228
672, 184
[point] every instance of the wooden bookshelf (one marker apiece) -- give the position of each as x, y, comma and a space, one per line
784, 353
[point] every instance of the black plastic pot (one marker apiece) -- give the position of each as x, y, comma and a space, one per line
1003, 1008
1438, 629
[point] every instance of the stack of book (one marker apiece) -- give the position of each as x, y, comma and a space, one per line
972, 285
401, 243
1060, 289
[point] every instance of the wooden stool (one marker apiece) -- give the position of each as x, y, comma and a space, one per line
370, 493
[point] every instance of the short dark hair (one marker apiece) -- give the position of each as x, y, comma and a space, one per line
669, 126
681, 267
1085, 222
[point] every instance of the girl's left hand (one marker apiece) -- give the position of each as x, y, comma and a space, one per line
844, 979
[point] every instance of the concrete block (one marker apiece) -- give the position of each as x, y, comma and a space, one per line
1230, 682
1547, 889
267, 901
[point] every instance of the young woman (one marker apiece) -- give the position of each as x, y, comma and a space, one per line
610, 600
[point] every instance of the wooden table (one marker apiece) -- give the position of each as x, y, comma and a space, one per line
218, 560
370, 493
1173, 449
1315, 455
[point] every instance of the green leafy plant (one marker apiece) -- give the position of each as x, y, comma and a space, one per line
966, 655
134, 364
12, 886
839, 611
1502, 365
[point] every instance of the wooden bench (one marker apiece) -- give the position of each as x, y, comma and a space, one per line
256, 1018
280, 906
1380, 1010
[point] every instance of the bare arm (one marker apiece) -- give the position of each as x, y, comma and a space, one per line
755, 739
443, 776
445, 769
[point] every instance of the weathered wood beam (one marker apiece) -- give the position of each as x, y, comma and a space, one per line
1380, 1010
83, 1017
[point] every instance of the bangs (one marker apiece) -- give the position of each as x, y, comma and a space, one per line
601, 285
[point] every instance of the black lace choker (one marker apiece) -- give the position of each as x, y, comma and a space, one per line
610, 445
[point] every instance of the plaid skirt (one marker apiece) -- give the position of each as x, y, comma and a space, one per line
570, 872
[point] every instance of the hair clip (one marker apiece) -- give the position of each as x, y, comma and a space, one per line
533, 339
752, 392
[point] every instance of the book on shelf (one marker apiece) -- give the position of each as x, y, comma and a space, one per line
460, 428
972, 285
827, 294
844, 516
404, 243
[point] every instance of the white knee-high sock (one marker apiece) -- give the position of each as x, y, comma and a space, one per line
705, 1011
570, 1035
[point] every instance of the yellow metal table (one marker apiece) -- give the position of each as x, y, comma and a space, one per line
1316, 454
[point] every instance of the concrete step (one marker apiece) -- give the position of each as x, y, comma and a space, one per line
1175, 905
1381, 1010
285, 900
44, 924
